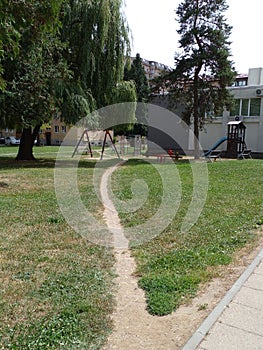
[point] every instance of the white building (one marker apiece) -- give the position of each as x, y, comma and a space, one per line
248, 95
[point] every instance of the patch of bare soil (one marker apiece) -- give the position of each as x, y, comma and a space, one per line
134, 327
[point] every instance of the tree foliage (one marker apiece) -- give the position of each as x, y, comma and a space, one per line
203, 68
29, 74
21, 23
97, 37
121, 115
68, 56
137, 73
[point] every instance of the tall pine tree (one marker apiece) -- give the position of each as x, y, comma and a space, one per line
137, 74
203, 68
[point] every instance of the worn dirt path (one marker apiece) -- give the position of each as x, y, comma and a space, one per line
134, 327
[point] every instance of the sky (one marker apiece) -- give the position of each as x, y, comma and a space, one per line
153, 27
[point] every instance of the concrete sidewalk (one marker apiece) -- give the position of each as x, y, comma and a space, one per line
236, 323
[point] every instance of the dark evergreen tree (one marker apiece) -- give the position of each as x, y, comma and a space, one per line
137, 73
203, 68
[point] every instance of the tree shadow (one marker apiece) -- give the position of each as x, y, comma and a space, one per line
154, 160
8, 163
49, 163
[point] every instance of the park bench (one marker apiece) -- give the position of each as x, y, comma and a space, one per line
214, 155
246, 153
170, 154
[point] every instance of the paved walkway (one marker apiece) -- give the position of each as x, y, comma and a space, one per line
236, 323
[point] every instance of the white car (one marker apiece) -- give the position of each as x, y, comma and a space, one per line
12, 140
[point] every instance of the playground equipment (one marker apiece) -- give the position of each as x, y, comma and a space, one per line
85, 133
235, 138
88, 143
107, 133
218, 143
130, 145
236, 145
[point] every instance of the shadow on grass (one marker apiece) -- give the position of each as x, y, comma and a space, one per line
7, 163
49, 163
146, 160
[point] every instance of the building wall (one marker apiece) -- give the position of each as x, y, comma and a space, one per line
154, 69
255, 76
7, 132
251, 89
247, 91
212, 132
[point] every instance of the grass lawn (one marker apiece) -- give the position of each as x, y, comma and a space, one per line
172, 266
56, 287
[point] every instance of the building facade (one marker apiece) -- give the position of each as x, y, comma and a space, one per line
248, 94
153, 69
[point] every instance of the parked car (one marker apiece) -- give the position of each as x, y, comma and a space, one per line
12, 140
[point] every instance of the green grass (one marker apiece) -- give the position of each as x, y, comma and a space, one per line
172, 266
56, 287
40, 152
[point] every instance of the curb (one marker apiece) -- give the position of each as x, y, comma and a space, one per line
204, 328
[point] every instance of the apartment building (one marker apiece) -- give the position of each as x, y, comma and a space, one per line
153, 69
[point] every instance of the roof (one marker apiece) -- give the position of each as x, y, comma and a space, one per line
236, 122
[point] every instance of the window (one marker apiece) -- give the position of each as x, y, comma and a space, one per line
241, 83
244, 106
255, 104
247, 107
63, 129
56, 129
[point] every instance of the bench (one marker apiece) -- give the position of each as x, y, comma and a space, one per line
214, 155
161, 157
246, 153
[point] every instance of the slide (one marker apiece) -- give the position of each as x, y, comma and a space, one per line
218, 143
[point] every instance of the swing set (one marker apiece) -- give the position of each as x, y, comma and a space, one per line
86, 134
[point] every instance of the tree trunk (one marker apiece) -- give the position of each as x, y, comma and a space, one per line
196, 121
25, 151
196, 138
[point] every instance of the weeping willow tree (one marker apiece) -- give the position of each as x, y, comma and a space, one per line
98, 42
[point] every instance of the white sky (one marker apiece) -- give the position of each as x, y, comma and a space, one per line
153, 27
